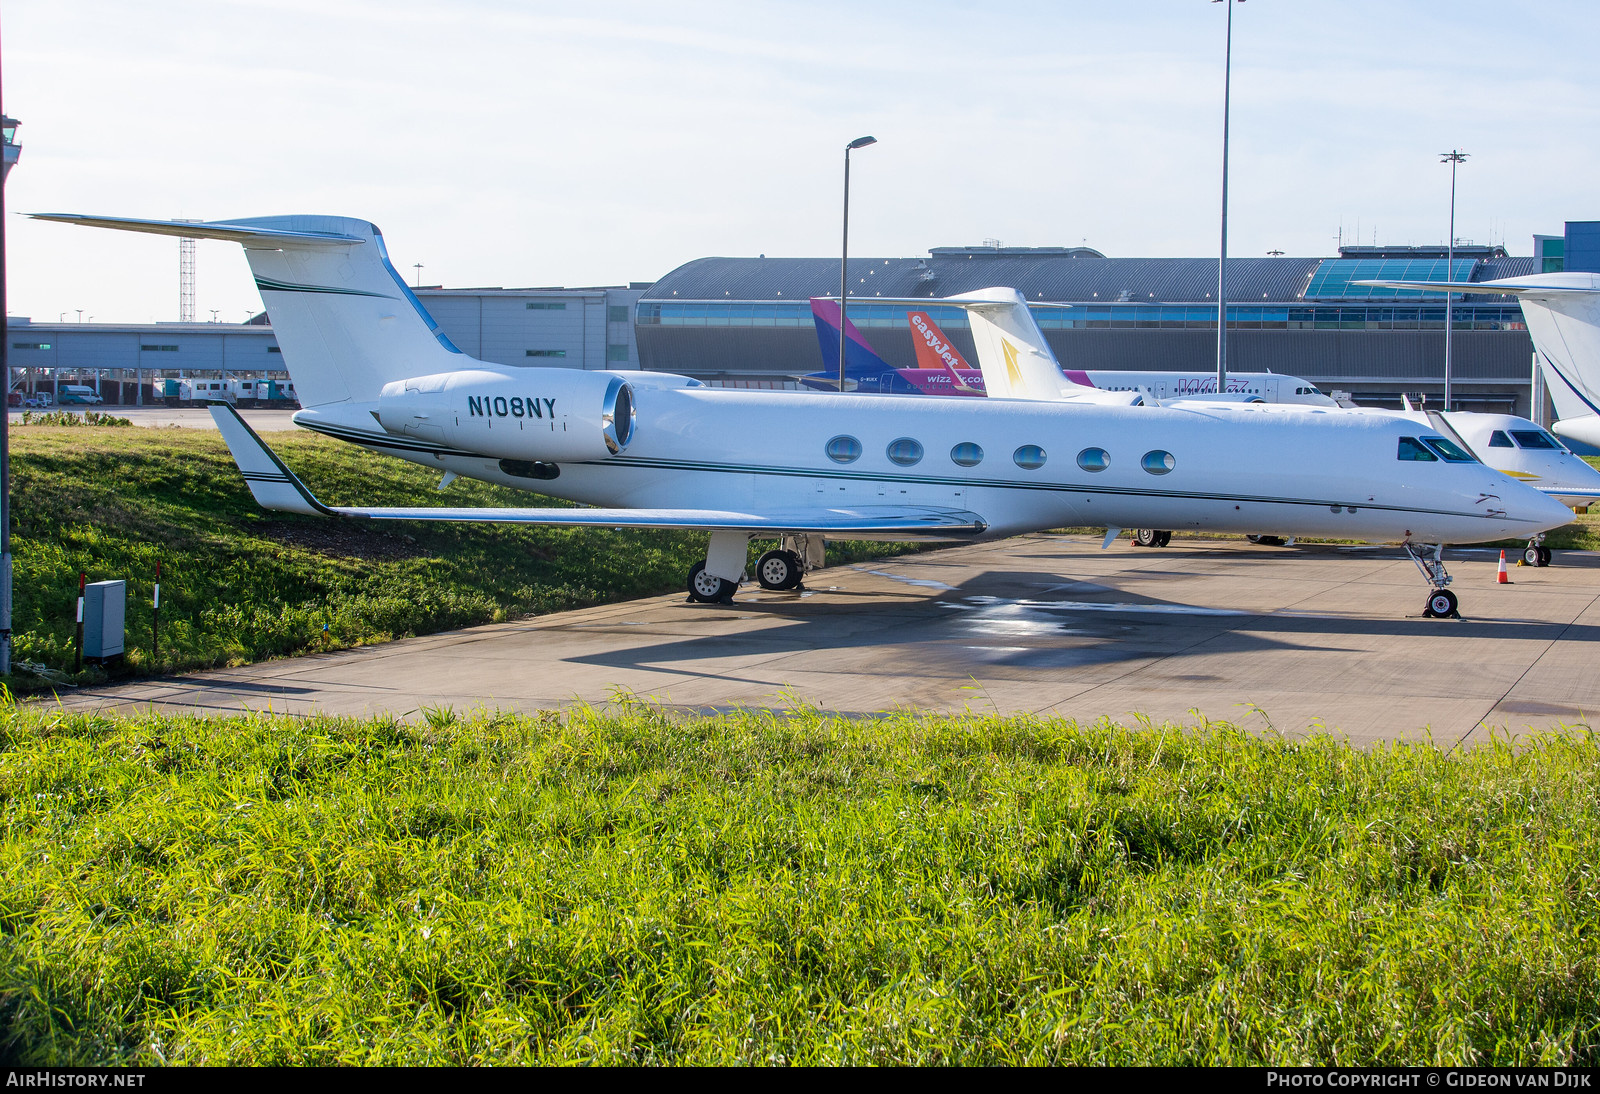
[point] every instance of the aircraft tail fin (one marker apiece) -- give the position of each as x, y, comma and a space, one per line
1015, 359
342, 315
1563, 315
860, 359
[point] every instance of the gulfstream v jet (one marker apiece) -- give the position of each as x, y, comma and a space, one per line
651, 450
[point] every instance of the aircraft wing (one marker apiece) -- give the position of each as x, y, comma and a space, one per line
276, 487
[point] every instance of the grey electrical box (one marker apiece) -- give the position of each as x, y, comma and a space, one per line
105, 607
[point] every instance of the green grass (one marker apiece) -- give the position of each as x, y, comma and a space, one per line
240, 584
637, 887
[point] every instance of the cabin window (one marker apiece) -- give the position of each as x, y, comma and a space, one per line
966, 454
1030, 457
1451, 451
1411, 449
844, 450
1094, 459
1158, 462
1498, 439
904, 451
1535, 438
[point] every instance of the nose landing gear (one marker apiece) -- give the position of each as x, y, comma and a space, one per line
1536, 553
1442, 603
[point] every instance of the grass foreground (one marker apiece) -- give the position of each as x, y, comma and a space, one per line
631, 886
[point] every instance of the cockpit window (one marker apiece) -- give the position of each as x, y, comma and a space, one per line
1411, 449
1451, 451
1498, 439
1535, 438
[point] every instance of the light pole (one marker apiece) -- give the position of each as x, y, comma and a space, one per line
1452, 157
1222, 258
418, 267
844, 248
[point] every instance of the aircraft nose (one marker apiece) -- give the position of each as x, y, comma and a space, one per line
1538, 509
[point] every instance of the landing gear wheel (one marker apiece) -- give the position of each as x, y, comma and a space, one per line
779, 570
1531, 554
1266, 541
1441, 604
707, 588
1544, 556
1148, 537
1163, 539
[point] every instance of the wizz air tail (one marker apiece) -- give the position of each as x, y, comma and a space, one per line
1563, 315
342, 315
860, 360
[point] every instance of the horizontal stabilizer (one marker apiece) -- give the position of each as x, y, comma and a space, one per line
276, 487
1538, 285
220, 229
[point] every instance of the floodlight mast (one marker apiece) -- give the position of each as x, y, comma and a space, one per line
1453, 157
844, 247
5, 421
1222, 258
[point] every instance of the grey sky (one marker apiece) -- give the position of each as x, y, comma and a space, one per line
532, 143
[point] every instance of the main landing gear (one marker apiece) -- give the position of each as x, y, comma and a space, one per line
1536, 553
1268, 541
780, 570
708, 588
1151, 537
716, 579
1442, 602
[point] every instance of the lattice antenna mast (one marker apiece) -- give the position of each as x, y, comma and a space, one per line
186, 278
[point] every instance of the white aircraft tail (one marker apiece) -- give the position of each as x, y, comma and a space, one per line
342, 315
1563, 314
1014, 357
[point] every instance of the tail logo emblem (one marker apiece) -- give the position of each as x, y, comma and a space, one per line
1012, 370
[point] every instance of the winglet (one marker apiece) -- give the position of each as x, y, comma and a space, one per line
272, 483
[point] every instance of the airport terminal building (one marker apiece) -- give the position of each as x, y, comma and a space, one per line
747, 321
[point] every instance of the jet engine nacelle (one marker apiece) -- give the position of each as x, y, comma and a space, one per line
544, 414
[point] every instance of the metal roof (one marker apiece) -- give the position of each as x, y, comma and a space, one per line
1038, 277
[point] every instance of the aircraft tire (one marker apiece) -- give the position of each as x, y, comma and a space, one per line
779, 570
707, 588
1146, 537
1441, 604
1544, 556
1163, 538
1530, 555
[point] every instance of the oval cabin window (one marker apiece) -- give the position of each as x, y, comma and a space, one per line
966, 454
844, 450
1030, 457
904, 451
1094, 459
1158, 462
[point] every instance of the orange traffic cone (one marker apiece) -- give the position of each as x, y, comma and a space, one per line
1502, 579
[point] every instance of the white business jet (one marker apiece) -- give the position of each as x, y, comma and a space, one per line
660, 451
